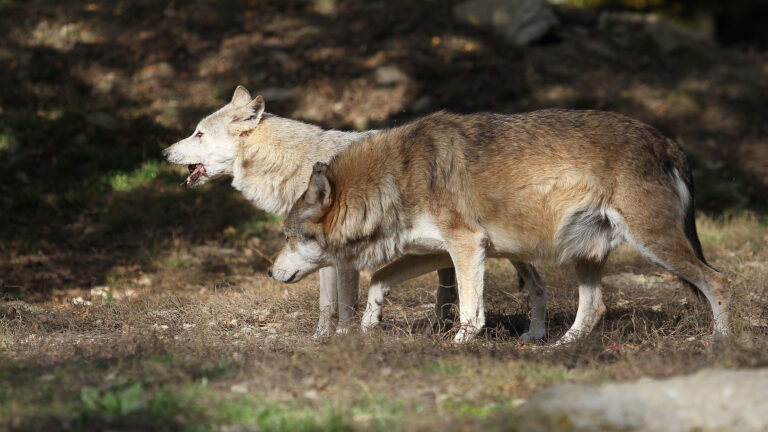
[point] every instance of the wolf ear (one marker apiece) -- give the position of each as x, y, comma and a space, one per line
250, 117
255, 109
241, 96
318, 197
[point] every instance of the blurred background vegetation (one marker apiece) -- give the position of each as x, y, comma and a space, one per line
729, 22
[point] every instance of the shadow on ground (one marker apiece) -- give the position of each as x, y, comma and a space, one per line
94, 91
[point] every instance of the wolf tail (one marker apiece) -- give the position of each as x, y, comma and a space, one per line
689, 228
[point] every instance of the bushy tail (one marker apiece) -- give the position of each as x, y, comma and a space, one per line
689, 227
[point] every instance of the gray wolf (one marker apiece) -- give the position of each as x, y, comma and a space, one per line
269, 159
551, 185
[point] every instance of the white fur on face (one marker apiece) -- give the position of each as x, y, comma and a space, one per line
216, 149
298, 260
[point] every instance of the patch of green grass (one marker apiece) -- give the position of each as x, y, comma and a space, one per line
379, 411
133, 405
111, 403
543, 375
194, 367
477, 411
194, 406
268, 416
147, 172
180, 261
253, 227
440, 366
711, 236
6, 141
57, 167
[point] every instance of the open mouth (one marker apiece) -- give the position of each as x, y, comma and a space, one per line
195, 172
290, 279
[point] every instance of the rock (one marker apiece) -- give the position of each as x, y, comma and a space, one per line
723, 400
666, 34
519, 21
387, 75
79, 301
422, 104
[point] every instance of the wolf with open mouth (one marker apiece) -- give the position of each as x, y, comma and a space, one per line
269, 159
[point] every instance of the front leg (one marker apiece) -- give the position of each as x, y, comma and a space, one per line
328, 302
467, 250
347, 289
407, 267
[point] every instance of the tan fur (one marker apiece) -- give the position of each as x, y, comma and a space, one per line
269, 158
547, 185
275, 159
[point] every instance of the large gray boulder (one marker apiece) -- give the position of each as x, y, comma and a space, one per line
710, 400
519, 21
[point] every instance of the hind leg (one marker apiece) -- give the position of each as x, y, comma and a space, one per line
671, 249
446, 297
591, 307
407, 267
537, 292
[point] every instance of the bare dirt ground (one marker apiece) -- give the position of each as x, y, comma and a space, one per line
130, 303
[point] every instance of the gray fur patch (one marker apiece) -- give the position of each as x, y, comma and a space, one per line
587, 233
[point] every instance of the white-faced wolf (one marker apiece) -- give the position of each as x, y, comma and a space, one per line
548, 185
269, 159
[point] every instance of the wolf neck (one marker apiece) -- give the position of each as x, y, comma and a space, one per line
275, 160
363, 227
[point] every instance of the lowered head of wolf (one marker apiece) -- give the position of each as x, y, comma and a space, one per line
306, 248
213, 147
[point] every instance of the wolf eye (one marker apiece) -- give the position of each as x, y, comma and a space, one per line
198, 134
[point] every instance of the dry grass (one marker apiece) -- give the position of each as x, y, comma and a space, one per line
248, 341
130, 303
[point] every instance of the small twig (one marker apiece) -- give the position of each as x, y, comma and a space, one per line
261, 254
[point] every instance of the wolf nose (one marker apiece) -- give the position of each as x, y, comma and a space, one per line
269, 272
164, 153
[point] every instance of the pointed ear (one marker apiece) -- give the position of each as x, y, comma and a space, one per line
255, 109
250, 117
319, 195
241, 96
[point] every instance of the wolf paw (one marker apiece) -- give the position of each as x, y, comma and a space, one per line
324, 330
532, 335
371, 318
466, 334
368, 325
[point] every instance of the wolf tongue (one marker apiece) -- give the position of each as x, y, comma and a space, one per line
195, 171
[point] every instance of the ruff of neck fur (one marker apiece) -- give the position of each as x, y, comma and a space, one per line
272, 165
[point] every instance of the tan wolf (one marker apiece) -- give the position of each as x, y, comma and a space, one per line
269, 159
551, 185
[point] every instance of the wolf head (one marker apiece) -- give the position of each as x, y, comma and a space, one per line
306, 246
212, 148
